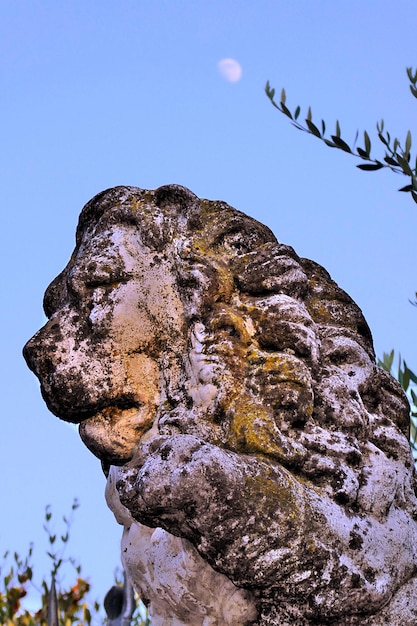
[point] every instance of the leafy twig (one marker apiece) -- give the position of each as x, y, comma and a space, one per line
397, 155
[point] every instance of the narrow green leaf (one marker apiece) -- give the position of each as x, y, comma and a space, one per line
381, 126
396, 145
298, 126
340, 143
408, 142
313, 128
283, 96
329, 143
390, 359
356, 138
387, 361
337, 128
400, 377
323, 127
403, 163
409, 71
285, 110
406, 380
413, 91
406, 188
297, 112
362, 153
411, 374
390, 161
367, 143
309, 116
414, 196
371, 167
382, 138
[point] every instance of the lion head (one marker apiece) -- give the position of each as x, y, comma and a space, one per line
234, 386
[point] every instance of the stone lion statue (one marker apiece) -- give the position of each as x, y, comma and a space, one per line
256, 456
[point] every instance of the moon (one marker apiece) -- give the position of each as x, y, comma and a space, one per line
230, 69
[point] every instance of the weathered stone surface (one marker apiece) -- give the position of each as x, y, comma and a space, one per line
256, 455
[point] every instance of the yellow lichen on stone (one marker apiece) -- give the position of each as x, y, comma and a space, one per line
252, 427
281, 499
284, 379
227, 317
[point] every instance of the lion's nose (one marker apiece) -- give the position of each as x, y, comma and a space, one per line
39, 352
31, 351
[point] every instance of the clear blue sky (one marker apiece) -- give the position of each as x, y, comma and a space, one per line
102, 93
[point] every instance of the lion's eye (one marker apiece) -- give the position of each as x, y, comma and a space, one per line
110, 282
106, 280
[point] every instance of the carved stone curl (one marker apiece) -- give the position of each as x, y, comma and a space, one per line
256, 455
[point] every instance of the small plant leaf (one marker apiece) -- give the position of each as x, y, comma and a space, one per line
367, 143
285, 110
408, 142
411, 374
341, 144
371, 167
403, 163
406, 379
390, 161
362, 153
313, 128
270, 91
382, 138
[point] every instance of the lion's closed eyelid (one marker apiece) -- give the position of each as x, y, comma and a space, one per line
106, 281
92, 280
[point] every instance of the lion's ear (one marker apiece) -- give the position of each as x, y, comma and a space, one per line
180, 201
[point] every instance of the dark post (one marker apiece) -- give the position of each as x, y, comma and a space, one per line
52, 605
120, 604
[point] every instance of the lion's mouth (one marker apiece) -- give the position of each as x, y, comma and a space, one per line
113, 433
